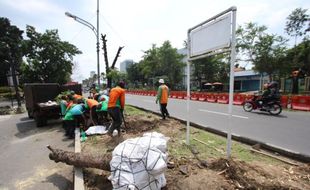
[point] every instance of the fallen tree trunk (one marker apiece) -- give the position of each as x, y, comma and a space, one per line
80, 160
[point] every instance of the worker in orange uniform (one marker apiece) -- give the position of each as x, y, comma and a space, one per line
116, 107
91, 105
162, 97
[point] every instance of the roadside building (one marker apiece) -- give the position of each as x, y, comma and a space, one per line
249, 80
125, 64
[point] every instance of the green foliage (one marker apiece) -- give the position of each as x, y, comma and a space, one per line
266, 52
269, 52
10, 51
59, 96
135, 75
48, 58
158, 61
130, 110
215, 146
298, 57
116, 76
296, 22
246, 38
210, 69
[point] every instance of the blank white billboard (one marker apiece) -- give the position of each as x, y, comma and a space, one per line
212, 36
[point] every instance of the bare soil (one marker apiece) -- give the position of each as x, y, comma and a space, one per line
187, 173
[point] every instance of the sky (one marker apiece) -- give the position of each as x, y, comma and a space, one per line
136, 24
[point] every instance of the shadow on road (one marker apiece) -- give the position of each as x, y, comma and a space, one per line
268, 114
27, 127
61, 182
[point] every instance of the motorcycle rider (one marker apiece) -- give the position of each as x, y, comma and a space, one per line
271, 93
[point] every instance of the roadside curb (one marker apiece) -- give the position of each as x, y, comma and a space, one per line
78, 172
284, 152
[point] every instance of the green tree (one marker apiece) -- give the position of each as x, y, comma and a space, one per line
170, 63
116, 76
134, 74
263, 50
298, 57
210, 69
150, 65
268, 55
48, 58
162, 62
246, 38
10, 51
296, 23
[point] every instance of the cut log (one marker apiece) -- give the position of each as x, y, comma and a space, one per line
81, 160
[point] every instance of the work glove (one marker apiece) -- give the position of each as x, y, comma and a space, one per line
122, 111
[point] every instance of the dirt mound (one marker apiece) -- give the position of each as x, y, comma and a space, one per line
139, 124
187, 172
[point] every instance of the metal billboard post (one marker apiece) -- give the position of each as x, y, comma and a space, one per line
214, 36
231, 79
188, 99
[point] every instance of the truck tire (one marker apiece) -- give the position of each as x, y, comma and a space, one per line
40, 120
30, 114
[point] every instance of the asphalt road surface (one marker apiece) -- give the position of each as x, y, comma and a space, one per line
24, 162
289, 131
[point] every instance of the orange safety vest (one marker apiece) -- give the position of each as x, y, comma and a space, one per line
163, 94
117, 98
90, 103
77, 96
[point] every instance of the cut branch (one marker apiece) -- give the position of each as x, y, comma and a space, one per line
80, 160
116, 56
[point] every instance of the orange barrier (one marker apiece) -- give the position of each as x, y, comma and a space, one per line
181, 95
194, 96
300, 103
173, 94
211, 98
284, 101
222, 98
202, 97
239, 99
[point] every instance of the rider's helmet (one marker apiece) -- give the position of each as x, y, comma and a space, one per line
273, 84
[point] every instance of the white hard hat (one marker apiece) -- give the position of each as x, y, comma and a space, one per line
161, 81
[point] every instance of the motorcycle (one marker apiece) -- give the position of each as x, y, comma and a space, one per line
273, 106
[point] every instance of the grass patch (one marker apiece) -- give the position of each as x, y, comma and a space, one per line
130, 110
212, 146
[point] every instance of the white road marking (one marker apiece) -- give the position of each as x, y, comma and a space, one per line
149, 101
221, 113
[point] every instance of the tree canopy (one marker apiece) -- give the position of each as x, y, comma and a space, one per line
296, 22
48, 59
10, 51
158, 62
210, 69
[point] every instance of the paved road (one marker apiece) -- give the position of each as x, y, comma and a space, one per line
290, 131
24, 162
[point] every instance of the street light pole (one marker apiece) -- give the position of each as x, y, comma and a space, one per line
95, 30
98, 70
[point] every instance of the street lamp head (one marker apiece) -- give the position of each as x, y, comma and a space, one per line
70, 15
